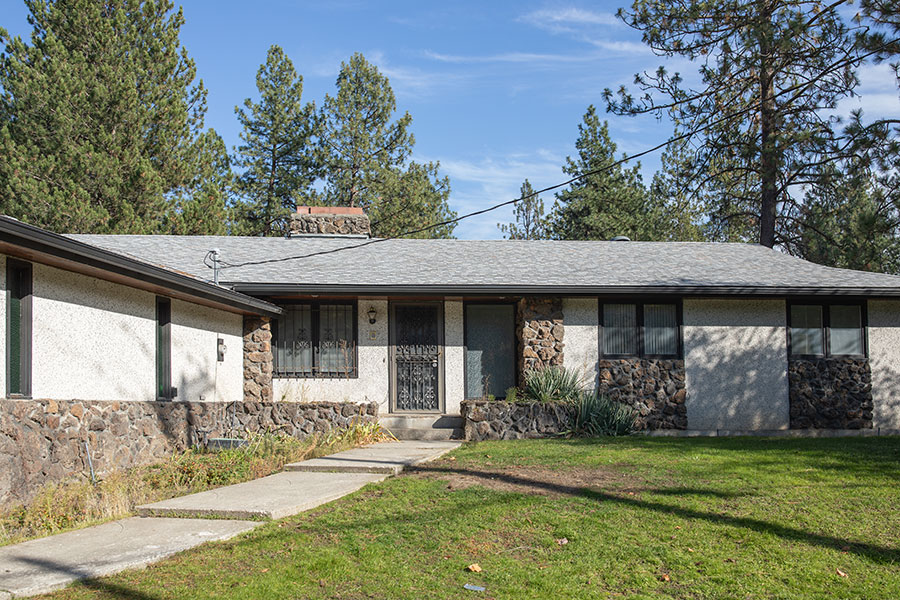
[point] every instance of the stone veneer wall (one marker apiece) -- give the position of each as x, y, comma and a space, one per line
43, 441
258, 359
333, 224
539, 327
830, 393
497, 420
654, 388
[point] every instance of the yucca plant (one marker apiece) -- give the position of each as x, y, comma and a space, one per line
598, 415
552, 384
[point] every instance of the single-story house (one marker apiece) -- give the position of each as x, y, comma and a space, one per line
695, 336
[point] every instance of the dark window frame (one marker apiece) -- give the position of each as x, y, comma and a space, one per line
639, 326
515, 354
315, 306
826, 326
164, 390
19, 284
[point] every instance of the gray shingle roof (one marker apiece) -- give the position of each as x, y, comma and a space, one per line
342, 264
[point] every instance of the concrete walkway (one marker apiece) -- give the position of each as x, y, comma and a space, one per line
43, 565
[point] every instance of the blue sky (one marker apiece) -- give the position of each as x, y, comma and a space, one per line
496, 89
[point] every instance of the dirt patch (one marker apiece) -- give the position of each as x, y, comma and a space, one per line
529, 479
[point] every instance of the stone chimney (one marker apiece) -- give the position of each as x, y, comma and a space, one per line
330, 220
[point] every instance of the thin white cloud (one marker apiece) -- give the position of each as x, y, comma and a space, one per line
513, 57
561, 20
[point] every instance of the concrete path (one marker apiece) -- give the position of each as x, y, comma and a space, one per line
389, 458
43, 565
272, 497
40, 566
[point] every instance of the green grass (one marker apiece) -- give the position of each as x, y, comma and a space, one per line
644, 518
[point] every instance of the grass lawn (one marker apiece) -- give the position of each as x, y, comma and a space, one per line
641, 518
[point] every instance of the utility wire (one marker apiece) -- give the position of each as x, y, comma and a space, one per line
598, 171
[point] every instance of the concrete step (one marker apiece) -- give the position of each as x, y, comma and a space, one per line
424, 427
421, 421
409, 433
387, 458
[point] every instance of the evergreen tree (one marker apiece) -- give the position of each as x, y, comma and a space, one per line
531, 222
605, 204
99, 116
200, 209
770, 72
681, 212
278, 156
366, 158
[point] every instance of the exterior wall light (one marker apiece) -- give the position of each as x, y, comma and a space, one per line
372, 314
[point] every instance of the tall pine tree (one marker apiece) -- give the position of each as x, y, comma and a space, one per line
278, 153
605, 204
366, 158
100, 116
530, 220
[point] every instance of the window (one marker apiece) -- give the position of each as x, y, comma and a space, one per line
640, 329
490, 335
164, 389
316, 340
18, 328
827, 329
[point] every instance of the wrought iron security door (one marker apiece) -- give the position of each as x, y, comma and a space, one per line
417, 365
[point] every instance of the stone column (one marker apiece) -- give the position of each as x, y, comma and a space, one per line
257, 359
539, 327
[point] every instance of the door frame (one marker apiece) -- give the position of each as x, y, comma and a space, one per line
392, 357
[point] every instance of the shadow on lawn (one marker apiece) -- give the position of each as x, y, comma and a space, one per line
872, 552
97, 585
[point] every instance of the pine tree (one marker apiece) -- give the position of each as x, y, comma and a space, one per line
682, 212
531, 222
99, 116
366, 158
360, 140
770, 73
278, 154
606, 204
200, 209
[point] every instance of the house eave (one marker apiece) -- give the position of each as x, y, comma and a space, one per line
39, 245
281, 289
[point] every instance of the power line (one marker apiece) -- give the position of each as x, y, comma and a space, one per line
841, 63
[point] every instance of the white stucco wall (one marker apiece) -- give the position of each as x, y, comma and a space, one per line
372, 383
96, 340
454, 356
196, 371
582, 351
884, 360
92, 339
735, 355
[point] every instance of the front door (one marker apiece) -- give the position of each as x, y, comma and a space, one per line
417, 369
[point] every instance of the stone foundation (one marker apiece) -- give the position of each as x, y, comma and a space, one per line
540, 330
830, 393
258, 359
494, 420
43, 441
654, 388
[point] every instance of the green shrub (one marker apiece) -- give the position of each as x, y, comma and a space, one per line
552, 384
512, 394
597, 415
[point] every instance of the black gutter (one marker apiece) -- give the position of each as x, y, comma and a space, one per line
41, 241
270, 289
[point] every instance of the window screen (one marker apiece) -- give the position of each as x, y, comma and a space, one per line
316, 340
807, 327
845, 329
18, 327
660, 329
619, 329
490, 349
